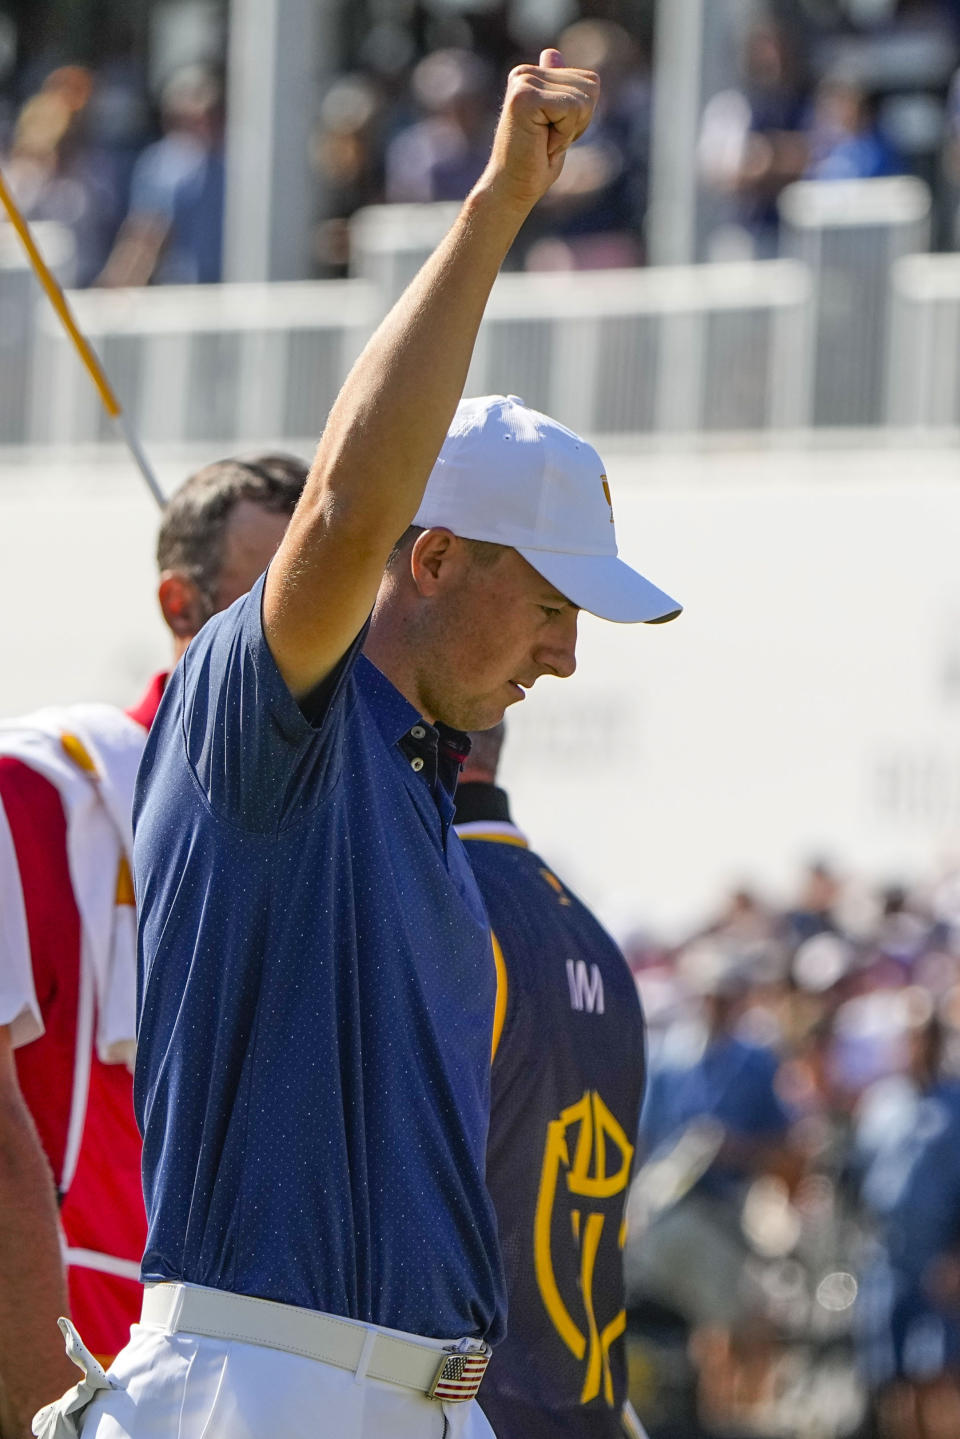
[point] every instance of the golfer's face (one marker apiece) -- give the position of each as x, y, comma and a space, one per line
507, 626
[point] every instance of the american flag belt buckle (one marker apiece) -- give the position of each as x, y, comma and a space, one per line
459, 1375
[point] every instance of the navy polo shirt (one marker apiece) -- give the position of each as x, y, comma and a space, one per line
316, 997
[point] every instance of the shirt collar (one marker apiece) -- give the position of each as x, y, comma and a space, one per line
477, 801
441, 749
394, 715
483, 812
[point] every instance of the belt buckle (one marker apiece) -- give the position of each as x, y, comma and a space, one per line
458, 1378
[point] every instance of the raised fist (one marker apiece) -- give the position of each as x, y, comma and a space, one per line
546, 108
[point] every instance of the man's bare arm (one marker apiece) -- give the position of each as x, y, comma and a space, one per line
390, 419
136, 252
33, 1366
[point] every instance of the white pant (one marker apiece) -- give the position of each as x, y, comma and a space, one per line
187, 1386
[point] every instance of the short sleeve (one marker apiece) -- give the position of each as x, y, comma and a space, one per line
19, 1006
257, 757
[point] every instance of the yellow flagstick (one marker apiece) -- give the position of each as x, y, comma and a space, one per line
82, 345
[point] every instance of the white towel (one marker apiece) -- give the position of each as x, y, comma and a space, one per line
90, 753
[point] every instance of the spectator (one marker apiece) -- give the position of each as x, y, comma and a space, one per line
712, 1107
55, 175
347, 157
744, 921
119, 123
845, 141
909, 1316
814, 911
751, 141
594, 217
441, 156
173, 232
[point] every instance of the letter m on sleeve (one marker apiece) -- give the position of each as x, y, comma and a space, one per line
586, 986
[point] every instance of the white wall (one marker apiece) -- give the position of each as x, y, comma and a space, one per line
807, 701
77, 579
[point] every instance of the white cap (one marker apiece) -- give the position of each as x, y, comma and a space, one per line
514, 477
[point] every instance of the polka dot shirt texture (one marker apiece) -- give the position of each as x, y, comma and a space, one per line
316, 997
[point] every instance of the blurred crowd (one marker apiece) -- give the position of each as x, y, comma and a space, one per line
822, 89
833, 91
139, 181
793, 1260
428, 140
141, 192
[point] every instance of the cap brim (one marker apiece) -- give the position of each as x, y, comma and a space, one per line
605, 586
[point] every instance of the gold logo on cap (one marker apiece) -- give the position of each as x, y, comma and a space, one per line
606, 491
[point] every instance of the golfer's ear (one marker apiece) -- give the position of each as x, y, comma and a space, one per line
431, 558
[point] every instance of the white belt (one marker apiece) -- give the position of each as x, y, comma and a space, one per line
450, 1373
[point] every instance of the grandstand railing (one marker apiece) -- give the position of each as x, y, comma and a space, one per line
18, 298
850, 327
204, 363
709, 348
692, 348
923, 378
850, 233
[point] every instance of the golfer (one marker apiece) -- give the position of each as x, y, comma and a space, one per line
317, 983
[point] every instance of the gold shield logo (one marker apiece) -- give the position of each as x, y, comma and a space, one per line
588, 1154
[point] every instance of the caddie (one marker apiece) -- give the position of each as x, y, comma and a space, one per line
566, 1089
317, 982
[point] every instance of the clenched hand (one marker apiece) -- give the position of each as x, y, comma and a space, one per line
546, 108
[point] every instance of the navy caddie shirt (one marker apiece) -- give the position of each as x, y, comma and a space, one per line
567, 1082
316, 997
